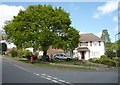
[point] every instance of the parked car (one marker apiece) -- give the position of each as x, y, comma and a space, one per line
61, 56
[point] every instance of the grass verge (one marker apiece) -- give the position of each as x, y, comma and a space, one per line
79, 63
44, 64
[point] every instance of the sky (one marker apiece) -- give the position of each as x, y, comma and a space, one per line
86, 17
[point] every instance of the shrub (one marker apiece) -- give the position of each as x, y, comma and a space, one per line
104, 60
13, 52
36, 55
110, 54
108, 61
75, 59
104, 56
27, 54
20, 53
93, 60
40, 56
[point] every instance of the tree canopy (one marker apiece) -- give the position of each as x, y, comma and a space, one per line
105, 36
41, 26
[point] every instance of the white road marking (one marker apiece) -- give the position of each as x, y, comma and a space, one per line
43, 74
48, 77
36, 74
61, 80
54, 78
54, 81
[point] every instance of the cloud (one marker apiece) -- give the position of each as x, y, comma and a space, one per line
115, 19
73, 7
81, 32
7, 12
107, 8
99, 34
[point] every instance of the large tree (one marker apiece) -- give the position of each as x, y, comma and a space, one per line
105, 36
42, 26
116, 46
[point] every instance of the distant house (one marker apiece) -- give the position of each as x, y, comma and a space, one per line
9, 45
53, 50
90, 46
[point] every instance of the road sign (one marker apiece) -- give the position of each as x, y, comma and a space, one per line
114, 50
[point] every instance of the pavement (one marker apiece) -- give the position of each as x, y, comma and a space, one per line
18, 72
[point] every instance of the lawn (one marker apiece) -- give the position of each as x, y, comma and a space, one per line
44, 64
73, 62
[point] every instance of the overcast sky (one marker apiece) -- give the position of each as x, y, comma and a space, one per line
87, 17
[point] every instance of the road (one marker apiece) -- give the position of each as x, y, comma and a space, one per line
17, 72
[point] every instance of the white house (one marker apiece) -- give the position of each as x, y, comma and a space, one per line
90, 46
9, 45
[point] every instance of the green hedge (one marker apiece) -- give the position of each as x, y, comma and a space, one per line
13, 52
105, 61
27, 54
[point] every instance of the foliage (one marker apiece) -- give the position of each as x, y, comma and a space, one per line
13, 52
27, 54
36, 55
75, 59
103, 56
106, 61
42, 26
110, 54
105, 36
113, 46
116, 46
20, 52
2, 35
93, 60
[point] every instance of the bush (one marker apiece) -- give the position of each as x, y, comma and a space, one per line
27, 54
110, 54
108, 61
93, 60
104, 60
75, 59
20, 53
13, 52
36, 55
104, 56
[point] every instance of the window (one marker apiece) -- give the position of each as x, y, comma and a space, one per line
83, 43
99, 43
95, 53
90, 43
95, 43
80, 43
86, 43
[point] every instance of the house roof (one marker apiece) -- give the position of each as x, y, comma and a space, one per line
89, 37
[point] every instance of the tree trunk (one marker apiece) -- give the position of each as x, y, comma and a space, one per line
44, 55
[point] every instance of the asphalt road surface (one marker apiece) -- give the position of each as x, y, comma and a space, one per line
17, 72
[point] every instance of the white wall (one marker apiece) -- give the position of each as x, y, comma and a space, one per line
9, 45
95, 51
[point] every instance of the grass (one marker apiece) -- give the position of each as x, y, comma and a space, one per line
38, 63
80, 63
43, 64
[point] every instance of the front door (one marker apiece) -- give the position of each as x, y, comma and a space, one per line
83, 55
